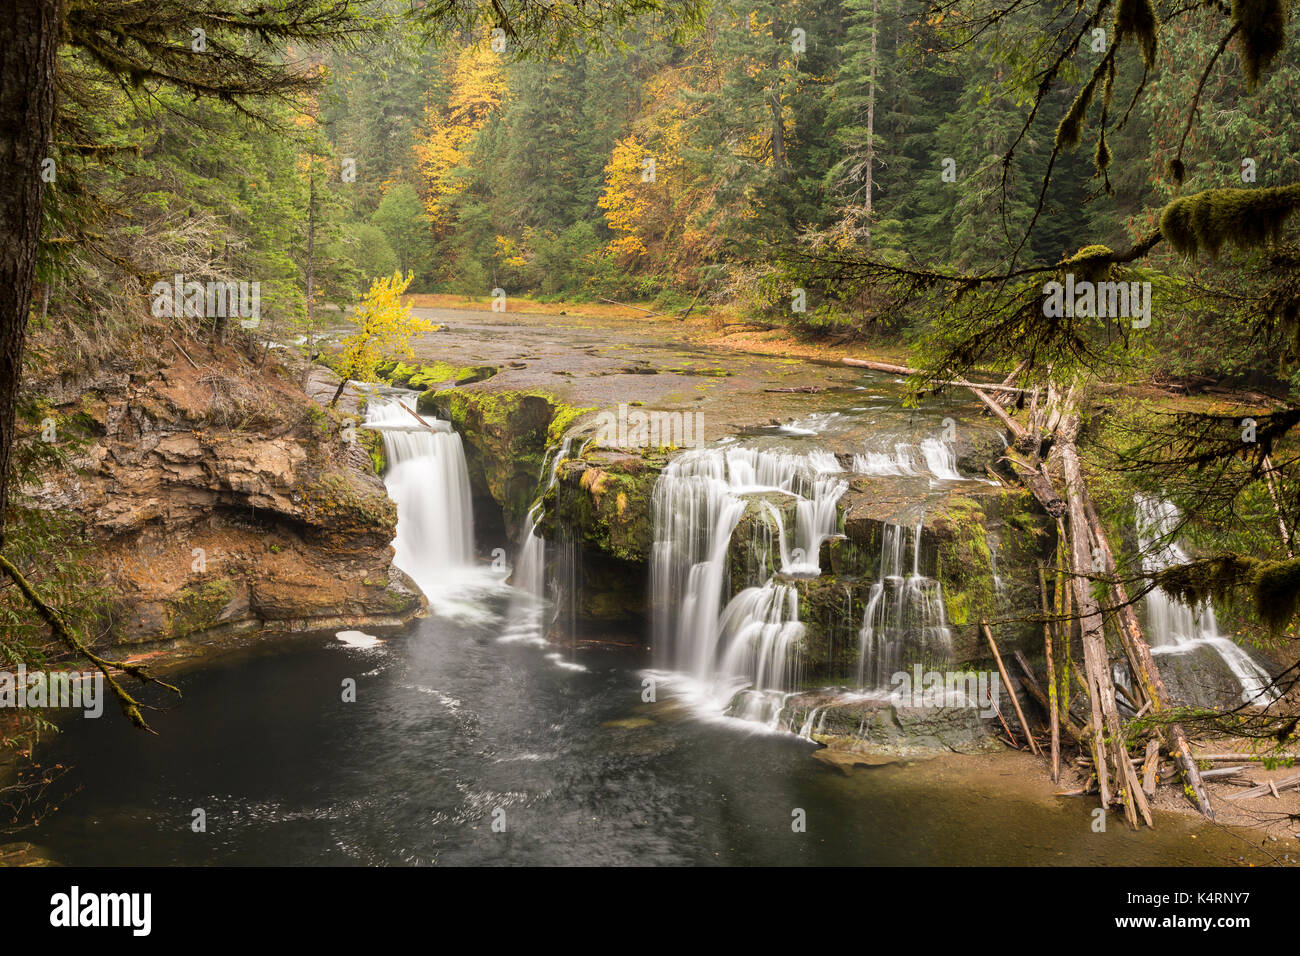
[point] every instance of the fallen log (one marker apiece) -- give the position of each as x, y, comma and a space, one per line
1222, 772
628, 305
1229, 758
1006, 398
1150, 767
1053, 717
1101, 686
905, 370
1271, 786
1145, 673
1076, 733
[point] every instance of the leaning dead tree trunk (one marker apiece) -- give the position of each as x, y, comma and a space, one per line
1054, 425
1051, 431
1146, 676
1101, 687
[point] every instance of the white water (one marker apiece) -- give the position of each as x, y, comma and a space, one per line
931, 457
527, 615
753, 639
1176, 627
904, 622
428, 480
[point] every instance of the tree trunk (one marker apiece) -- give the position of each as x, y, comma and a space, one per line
778, 119
868, 184
310, 271
1143, 665
29, 42
1053, 714
778, 138
343, 383
1101, 688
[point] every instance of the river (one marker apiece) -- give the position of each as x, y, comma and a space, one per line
467, 745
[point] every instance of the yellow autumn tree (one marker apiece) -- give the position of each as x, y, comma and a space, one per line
625, 198
385, 328
478, 85
655, 200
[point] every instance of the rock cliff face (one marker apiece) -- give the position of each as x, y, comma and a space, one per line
222, 500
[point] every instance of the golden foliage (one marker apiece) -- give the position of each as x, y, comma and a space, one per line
385, 327
442, 147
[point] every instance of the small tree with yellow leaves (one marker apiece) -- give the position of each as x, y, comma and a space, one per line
384, 327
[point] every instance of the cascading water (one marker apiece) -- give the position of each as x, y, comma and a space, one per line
698, 502
931, 457
527, 610
1177, 627
428, 480
904, 622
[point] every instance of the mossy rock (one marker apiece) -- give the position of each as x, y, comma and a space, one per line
604, 501
506, 434
197, 608
335, 506
755, 551
373, 443
869, 726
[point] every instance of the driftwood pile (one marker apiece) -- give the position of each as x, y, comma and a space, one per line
1088, 599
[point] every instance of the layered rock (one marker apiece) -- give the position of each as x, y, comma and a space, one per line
876, 725
220, 499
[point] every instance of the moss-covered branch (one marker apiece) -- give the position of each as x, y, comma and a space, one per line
50, 615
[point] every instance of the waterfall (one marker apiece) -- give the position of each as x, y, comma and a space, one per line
527, 609
428, 480
904, 622
1177, 627
752, 640
931, 457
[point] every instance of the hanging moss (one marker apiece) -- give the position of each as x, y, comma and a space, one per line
1245, 217
1101, 158
1137, 18
1261, 32
1070, 129
1277, 591
1274, 585
1209, 579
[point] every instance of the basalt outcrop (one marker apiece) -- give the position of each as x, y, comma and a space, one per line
219, 499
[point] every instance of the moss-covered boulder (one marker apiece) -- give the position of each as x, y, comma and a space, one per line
878, 725
202, 606
605, 501
434, 375
831, 609
755, 550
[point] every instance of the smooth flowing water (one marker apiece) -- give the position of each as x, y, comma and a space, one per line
1176, 627
750, 641
904, 622
451, 725
465, 744
428, 480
